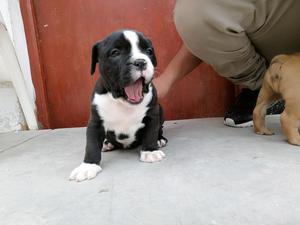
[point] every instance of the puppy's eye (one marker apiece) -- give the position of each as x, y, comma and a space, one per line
115, 52
149, 51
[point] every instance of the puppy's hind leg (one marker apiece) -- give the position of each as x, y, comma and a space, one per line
290, 124
107, 146
265, 98
161, 141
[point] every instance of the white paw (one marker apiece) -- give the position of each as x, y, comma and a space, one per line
107, 146
85, 171
154, 156
161, 143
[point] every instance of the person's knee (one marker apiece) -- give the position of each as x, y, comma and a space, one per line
190, 17
192, 24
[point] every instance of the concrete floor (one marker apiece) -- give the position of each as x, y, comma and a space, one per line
212, 175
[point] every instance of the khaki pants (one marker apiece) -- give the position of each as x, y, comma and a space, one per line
239, 37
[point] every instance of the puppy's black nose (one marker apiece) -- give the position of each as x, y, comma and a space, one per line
140, 64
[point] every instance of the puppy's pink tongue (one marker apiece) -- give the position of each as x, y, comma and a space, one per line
134, 91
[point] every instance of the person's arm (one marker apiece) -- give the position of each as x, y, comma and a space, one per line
182, 64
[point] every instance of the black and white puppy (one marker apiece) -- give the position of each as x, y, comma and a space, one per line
125, 112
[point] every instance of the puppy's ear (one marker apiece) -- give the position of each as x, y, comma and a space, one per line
95, 57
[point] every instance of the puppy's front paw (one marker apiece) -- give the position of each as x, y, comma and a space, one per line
264, 131
154, 156
85, 171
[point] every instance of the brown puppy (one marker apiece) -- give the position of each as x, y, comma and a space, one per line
282, 79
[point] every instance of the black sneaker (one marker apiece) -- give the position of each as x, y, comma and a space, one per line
240, 113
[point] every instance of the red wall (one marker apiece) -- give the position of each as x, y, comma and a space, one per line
66, 30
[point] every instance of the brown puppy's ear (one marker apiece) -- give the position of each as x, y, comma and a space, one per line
95, 57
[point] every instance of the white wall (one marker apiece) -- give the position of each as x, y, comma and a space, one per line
10, 10
11, 114
12, 84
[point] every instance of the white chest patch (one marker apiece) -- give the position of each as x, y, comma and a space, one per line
120, 116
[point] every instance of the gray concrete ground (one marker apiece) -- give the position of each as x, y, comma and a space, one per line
212, 175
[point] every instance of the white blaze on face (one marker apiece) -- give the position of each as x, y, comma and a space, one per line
136, 53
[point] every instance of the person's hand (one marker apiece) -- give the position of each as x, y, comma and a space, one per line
162, 86
181, 65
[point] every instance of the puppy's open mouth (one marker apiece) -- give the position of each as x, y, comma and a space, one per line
134, 91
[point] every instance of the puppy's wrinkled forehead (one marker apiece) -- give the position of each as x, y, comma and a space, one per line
138, 44
116, 40
128, 40
132, 38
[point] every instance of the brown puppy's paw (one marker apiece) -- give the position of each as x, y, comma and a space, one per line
294, 141
264, 131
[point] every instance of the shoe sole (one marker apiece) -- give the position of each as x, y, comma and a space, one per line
230, 122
